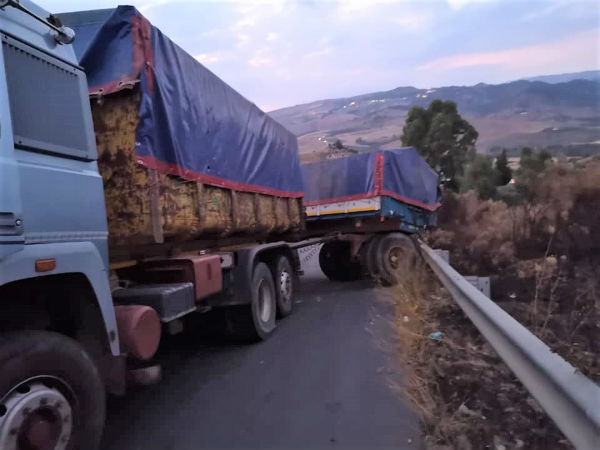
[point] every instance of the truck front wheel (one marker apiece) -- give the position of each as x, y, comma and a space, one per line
51, 395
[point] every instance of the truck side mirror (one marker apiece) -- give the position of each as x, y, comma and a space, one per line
65, 35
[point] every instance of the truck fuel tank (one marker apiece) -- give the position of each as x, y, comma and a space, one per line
202, 271
170, 301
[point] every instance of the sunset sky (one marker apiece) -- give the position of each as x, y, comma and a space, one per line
281, 53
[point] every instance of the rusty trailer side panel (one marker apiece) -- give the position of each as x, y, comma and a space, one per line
147, 207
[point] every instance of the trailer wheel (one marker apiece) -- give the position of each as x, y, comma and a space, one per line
255, 321
327, 258
368, 257
285, 285
336, 261
395, 252
51, 395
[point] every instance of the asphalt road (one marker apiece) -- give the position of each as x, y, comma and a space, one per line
322, 381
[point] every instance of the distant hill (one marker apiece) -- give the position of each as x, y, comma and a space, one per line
593, 75
563, 117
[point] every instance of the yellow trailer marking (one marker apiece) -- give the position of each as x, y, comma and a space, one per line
334, 211
362, 208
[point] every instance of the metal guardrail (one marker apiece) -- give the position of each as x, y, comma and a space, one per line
567, 396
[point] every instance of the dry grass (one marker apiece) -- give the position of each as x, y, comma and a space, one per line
543, 256
465, 396
486, 236
544, 259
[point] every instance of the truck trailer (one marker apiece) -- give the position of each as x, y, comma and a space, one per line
373, 202
152, 193
137, 191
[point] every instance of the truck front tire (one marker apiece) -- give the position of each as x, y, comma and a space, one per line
51, 394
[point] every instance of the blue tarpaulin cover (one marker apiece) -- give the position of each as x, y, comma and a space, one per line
191, 123
401, 174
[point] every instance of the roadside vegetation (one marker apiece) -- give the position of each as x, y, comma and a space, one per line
536, 232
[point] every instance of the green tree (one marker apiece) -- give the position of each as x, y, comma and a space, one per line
442, 137
338, 144
504, 172
531, 164
480, 176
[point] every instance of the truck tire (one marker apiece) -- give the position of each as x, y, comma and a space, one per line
372, 260
255, 321
327, 257
51, 394
395, 251
285, 285
336, 262
368, 259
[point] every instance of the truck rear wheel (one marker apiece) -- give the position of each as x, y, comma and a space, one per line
255, 321
284, 286
335, 260
51, 395
395, 252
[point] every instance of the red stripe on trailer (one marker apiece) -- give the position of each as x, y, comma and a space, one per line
410, 201
190, 175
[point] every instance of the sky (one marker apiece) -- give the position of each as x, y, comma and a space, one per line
280, 53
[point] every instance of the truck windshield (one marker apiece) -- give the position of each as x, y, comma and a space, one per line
47, 99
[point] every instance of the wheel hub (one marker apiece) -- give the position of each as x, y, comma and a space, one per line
394, 257
36, 417
285, 284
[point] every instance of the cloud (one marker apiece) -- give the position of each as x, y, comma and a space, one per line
261, 58
279, 52
318, 53
550, 8
260, 61
573, 53
207, 58
148, 5
413, 21
458, 4
354, 8
245, 22
241, 39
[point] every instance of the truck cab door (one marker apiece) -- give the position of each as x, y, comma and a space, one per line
11, 211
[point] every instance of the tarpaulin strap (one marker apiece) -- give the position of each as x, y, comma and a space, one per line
379, 161
143, 57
